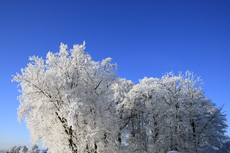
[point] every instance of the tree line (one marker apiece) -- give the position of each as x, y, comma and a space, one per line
77, 105
23, 149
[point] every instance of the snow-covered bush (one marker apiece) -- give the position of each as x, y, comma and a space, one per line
33, 149
17, 149
12, 149
23, 149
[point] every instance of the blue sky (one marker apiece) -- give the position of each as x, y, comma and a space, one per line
145, 38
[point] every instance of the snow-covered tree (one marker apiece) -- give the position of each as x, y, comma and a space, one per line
225, 147
172, 113
69, 101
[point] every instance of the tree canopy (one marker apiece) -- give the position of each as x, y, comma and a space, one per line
75, 104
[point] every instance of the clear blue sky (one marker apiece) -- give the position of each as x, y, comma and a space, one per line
144, 37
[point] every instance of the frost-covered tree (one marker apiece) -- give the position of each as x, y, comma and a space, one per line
172, 113
225, 147
70, 101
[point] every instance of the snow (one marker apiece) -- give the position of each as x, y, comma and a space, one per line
174, 152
